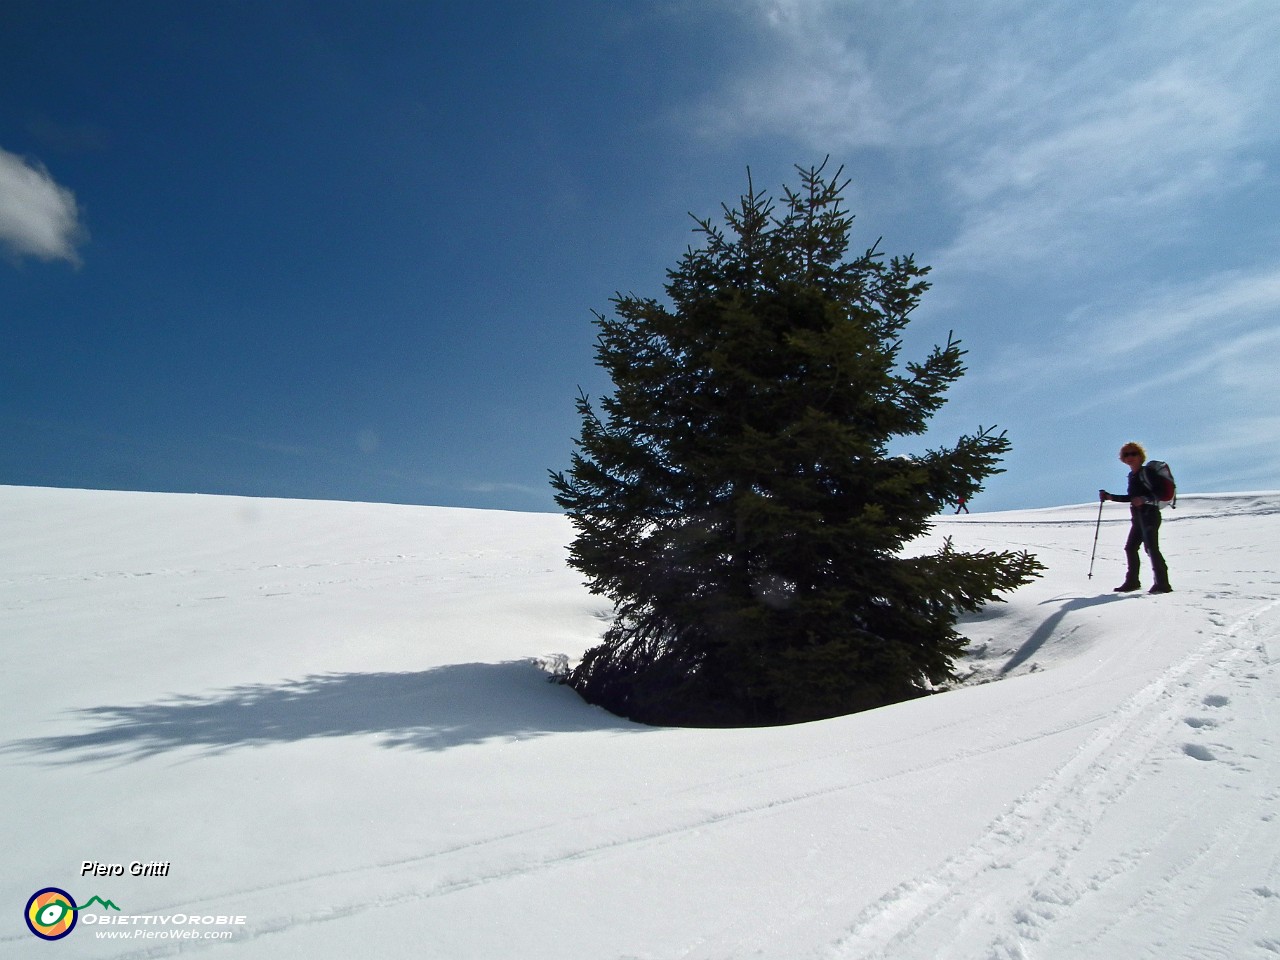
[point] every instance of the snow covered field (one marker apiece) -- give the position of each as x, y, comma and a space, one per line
327, 720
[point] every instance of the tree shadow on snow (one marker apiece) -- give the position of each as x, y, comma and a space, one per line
434, 710
1050, 627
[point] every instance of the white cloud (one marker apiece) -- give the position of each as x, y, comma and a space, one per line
38, 217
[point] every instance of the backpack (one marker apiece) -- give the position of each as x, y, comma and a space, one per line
1160, 479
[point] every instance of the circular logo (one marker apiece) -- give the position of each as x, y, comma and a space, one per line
51, 913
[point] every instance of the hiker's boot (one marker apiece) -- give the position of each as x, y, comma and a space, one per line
1129, 586
1161, 588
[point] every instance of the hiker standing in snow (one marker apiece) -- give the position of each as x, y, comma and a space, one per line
1144, 528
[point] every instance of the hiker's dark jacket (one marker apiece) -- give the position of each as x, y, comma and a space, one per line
1139, 486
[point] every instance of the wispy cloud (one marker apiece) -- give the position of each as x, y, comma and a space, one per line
1119, 167
811, 83
1241, 454
1223, 304
38, 217
1216, 333
269, 446
1049, 132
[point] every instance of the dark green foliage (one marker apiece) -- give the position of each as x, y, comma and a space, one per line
735, 499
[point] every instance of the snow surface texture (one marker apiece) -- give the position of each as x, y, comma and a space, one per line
333, 720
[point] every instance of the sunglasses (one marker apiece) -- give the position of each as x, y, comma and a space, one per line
1129, 456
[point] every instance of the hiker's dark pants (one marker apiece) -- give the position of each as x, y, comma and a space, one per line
1144, 531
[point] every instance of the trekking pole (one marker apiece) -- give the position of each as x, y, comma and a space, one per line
1096, 528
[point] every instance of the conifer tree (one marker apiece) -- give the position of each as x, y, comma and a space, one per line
735, 496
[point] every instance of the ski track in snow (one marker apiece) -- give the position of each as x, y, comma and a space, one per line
985, 904
507, 856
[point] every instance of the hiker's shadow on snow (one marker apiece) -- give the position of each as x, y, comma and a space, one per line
433, 710
1051, 626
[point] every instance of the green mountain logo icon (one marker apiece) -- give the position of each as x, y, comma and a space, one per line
106, 904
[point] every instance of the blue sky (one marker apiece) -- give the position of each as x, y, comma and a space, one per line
348, 250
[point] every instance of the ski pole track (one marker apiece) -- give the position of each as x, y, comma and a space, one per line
1198, 875
1061, 814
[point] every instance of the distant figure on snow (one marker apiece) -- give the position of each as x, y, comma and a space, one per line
1144, 527
962, 505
